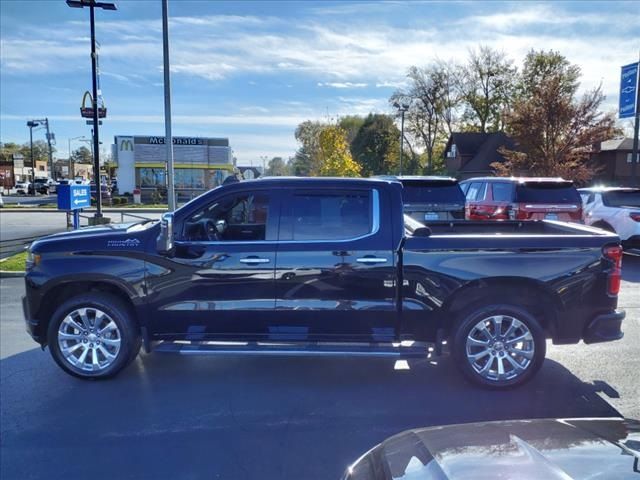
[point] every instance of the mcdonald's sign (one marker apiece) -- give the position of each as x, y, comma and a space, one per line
126, 144
87, 112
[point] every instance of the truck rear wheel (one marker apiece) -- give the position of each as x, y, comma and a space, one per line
93, 336
499, 346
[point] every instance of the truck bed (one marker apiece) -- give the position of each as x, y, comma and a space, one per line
511, 227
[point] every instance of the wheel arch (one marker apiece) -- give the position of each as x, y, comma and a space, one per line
604, 225
527, 293
57, 294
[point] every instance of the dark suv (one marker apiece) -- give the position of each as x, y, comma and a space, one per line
497, 198
431, 198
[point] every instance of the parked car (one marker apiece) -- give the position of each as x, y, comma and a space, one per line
22, 188
431, 198
615, 209
573, 448
105, 193
43, 186
349, 278
497, 198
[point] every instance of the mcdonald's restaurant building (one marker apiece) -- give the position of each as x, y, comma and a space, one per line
200, 164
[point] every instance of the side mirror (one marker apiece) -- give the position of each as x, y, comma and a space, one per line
422, 232
164, 242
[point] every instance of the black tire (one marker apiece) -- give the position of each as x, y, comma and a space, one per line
472, 317
122, 316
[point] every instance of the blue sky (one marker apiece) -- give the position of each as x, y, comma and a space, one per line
253, 70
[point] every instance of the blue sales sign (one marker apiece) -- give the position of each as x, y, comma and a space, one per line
628, 91
74, 197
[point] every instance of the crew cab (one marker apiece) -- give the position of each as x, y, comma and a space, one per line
522, 198
616, 209
315, 266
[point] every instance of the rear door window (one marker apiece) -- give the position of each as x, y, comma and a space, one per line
502, 191
326, 216
548, 192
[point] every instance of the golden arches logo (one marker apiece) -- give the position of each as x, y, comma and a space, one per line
87, 112
126, 144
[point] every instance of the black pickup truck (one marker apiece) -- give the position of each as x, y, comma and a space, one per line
321, 267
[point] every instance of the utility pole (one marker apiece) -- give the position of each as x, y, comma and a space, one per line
49, 138
168, 137
33, 171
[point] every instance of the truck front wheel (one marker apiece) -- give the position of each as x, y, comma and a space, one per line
93, 335
499, 346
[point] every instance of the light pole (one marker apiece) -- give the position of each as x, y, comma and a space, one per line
264, 165
168, 136
402, 108
71, 172
92, 4
31, 124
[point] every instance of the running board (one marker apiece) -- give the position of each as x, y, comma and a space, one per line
398, 350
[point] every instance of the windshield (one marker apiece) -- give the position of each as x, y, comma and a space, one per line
547, 192
622, 198
431, 192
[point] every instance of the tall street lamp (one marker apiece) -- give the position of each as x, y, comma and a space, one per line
71, 172
92, 4
402, 108
32, 124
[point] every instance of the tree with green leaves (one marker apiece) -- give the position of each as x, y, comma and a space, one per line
300, 164
277, 167
554, 130
81, 155
486, 85
376, 146
351, 124
424, 100
308, 134
334, 155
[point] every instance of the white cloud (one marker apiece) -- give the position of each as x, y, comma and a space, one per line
342, 84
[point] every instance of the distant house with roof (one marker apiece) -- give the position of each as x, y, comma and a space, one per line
613, 160
470, 154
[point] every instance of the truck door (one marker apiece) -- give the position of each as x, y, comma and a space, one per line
220, 280
335, 268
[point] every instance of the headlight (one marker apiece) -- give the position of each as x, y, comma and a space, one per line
33, 259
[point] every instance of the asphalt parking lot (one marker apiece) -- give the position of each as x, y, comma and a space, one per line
272, 418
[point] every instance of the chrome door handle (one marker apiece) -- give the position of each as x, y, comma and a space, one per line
254, 260
371, 260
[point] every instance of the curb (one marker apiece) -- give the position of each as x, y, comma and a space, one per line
7, 274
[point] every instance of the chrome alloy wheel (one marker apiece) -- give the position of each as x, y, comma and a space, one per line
89, 339
500, 348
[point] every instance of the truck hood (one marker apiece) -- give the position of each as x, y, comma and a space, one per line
112, 236
525, 449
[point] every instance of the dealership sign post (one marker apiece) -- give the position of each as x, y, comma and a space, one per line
73, 198
629, 107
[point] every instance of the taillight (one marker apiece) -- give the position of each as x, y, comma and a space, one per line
614, 254
578, 215
635, 216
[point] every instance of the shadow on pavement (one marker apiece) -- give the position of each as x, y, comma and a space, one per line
168, 416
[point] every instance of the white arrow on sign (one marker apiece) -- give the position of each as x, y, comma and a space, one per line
76, 201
